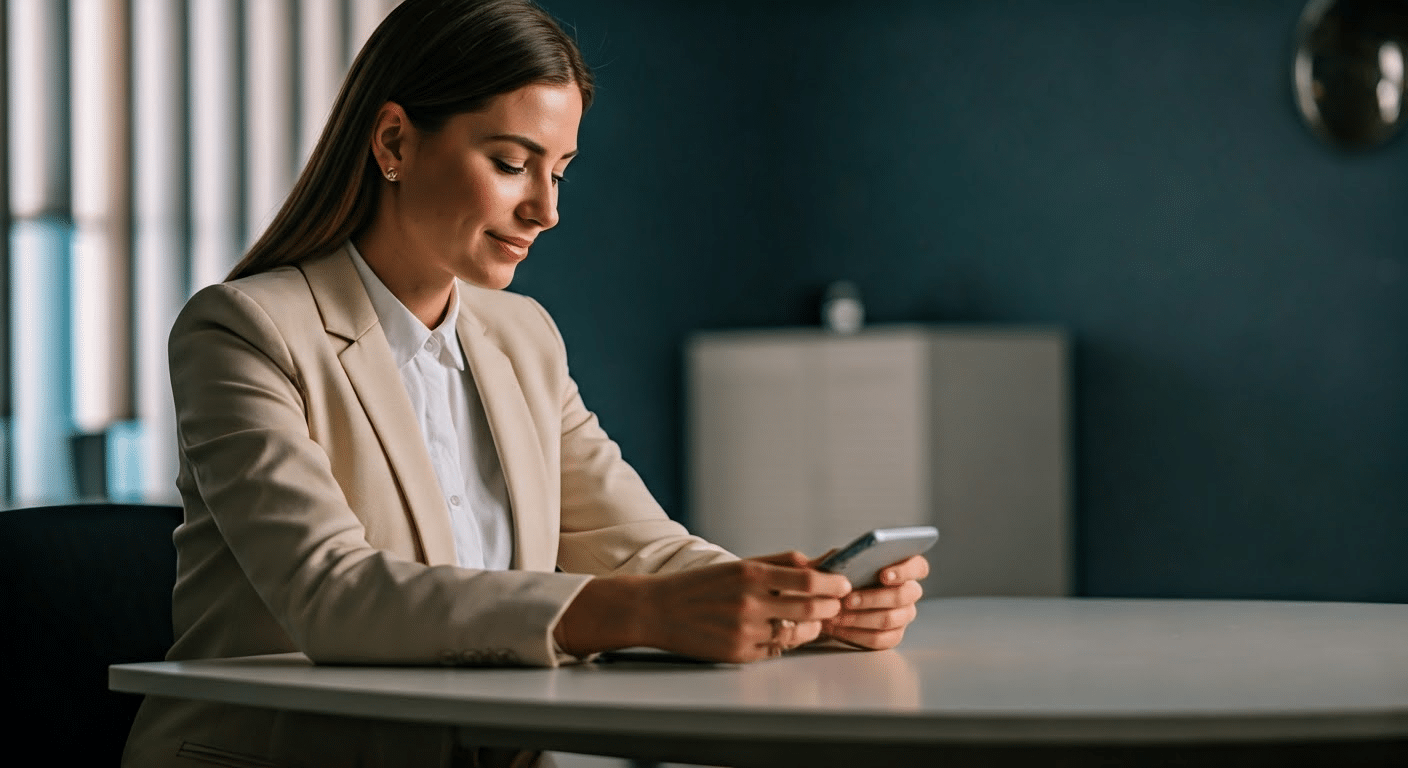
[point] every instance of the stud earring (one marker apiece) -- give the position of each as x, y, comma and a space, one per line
390, 174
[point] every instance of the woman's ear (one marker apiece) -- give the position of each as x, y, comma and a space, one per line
390, 136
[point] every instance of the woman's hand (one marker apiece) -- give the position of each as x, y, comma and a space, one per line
789, 636
875, 618
736, 612
746, 610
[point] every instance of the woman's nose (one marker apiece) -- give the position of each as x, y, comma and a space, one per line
540, 206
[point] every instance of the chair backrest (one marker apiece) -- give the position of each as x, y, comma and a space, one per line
82, 586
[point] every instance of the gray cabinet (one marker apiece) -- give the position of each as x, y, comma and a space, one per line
803, 439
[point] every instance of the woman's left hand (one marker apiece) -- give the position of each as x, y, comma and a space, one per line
876, 617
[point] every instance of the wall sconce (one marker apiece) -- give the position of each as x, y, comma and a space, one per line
1349, 70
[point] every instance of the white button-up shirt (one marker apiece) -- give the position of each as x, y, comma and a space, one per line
452, 422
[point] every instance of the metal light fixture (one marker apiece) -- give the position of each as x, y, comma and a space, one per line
1350, 70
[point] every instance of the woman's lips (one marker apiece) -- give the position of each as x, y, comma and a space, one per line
514, 246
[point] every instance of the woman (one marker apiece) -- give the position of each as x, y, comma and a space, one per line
383, 457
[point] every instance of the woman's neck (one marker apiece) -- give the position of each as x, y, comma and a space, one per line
424, 289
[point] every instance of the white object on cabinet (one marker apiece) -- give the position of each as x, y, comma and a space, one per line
803, 439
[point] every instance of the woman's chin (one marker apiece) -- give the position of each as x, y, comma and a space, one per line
495, 279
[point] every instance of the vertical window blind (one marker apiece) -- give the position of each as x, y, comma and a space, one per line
148, 144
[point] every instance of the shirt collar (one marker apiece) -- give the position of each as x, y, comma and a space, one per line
405, 333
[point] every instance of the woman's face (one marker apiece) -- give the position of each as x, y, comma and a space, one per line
470, 199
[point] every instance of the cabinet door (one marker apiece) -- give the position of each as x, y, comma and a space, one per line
805, 441
873, 448
752, 480
1000, 475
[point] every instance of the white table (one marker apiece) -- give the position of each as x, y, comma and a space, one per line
977, 681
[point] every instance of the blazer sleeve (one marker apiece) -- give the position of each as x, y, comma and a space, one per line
611, 524
253, 470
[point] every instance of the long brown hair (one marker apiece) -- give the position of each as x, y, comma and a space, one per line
436, 58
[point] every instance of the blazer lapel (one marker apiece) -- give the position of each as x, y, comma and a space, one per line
348, 313
520, 453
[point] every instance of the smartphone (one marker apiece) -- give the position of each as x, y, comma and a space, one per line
862, 560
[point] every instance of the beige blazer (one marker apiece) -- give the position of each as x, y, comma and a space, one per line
314, 522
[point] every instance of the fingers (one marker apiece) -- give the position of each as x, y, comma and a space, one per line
791, 558
875, 640
805, 632
799, 608
914, 569
789, 572
744, 610
792, 599
876, 618
787, 635
801, 580
795, 594
878, 621
907, 593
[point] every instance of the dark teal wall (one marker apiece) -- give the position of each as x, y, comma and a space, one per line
1135, 172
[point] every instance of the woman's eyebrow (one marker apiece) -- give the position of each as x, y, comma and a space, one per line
528, 144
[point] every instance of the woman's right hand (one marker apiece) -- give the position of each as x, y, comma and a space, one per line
735, 612
739, 611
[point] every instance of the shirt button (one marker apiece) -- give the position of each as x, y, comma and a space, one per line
430, 343
455, 501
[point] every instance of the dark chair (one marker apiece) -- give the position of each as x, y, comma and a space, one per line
83, 586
